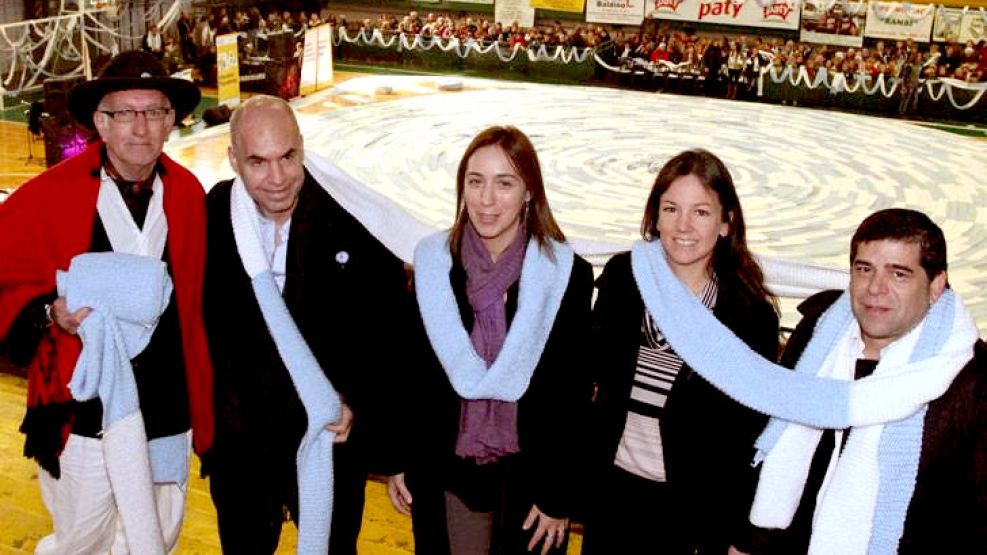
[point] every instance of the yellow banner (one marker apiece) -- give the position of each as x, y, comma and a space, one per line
227, 70
575, 6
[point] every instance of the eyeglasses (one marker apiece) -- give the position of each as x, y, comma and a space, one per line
128, 116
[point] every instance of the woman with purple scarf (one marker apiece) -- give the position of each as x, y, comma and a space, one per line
505, 307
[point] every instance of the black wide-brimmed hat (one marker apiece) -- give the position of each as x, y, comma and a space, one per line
132, 70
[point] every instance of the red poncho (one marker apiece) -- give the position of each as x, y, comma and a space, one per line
49, 220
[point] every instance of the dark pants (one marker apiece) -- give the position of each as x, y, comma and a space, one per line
632, 515
252, 503
498, 491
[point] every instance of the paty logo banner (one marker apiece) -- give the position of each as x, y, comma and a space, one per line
782, 14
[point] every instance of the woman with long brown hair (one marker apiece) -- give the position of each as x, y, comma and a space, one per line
671, 453
505, 306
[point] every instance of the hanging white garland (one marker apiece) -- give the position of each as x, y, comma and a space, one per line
94, 25
100, 26
378, 37
46, 48
463, 49
949, 85
840, 82
793, 77
968, 105
887, 86
513, 53
98, 46
946, 87
603, 63
170, 15
942, 89
681, 66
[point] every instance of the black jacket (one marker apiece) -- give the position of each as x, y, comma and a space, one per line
551, 416
349, 297
707, 437
948, 511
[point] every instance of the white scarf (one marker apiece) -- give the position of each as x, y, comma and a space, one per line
391, 224
170, 454
120, 227
846, 511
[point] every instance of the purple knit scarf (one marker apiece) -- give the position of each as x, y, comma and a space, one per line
488, 428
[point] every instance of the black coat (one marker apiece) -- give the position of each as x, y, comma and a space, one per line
948, 511
353, 309
551, 417
707, 437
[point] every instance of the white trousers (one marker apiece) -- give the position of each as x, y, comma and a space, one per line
84, 512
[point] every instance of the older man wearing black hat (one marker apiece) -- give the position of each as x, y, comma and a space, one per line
121, 194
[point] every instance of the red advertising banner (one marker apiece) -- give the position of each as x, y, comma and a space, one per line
783, 14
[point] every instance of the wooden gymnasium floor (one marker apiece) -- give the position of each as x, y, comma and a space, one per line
24, 520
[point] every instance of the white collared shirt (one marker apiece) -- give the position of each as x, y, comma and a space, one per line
855, 352
274, 239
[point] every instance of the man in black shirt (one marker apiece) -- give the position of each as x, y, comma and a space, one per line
346, 294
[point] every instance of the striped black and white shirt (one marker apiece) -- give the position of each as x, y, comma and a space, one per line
640, 450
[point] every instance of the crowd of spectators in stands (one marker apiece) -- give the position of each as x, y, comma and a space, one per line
733, 61
192, 42
963, 62
737, 58
480, 29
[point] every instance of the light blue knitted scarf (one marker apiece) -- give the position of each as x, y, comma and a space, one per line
124, 317
321, 402
801, 397
713, 351
542, 285
127, 294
